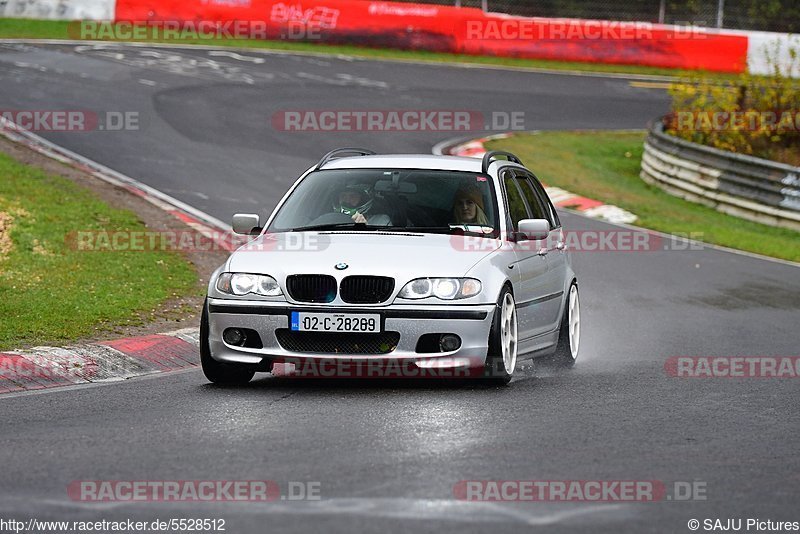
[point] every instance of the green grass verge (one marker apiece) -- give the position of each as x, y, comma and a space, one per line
49, 291
605, 166
48, 29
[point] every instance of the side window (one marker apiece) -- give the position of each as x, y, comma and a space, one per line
549, 213
537, 209
516, 205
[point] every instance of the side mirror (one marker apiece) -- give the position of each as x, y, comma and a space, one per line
535, 229
246, 224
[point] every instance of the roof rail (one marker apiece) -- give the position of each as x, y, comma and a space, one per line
490, 156
339, 152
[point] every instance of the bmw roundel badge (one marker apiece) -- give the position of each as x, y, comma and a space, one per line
341, 266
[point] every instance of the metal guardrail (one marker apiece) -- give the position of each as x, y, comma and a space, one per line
743, 186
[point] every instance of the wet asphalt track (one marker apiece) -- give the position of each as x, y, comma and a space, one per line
388, 454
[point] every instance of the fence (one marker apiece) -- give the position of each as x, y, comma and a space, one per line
759, 15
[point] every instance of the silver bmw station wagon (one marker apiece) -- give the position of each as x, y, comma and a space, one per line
441, 263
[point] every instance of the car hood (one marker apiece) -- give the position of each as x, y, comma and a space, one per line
365, 253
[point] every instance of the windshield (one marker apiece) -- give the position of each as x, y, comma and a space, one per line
426, 201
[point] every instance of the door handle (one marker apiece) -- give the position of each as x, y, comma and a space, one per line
543, 252
561, 245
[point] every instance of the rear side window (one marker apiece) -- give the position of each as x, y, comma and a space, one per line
516, 204
533, 187
537, 208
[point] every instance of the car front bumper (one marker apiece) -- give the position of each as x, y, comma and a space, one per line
472, 323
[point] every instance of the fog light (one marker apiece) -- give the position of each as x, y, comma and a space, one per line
234, 336
449, 342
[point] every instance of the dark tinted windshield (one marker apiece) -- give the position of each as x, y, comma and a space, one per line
391, 199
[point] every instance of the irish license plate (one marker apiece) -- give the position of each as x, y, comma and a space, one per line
335, 322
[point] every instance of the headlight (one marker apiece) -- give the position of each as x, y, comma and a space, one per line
244, 284
441, 288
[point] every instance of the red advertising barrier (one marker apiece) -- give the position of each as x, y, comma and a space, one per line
459, 30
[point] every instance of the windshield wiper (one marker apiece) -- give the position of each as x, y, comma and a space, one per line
338, 226
325, 227
438, 230
418, 229
447, 230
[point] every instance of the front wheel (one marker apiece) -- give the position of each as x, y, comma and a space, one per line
218, 372
501, 359
569, 338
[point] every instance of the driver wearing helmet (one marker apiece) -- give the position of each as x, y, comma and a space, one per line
356, 200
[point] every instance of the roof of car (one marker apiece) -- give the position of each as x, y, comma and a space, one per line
406, 161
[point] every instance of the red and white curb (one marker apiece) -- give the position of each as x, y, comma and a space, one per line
40, 368
562, 198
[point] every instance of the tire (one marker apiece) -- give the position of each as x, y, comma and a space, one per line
569, 337
501, 359
218, 372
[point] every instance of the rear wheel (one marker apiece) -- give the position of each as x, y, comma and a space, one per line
501, 359
218, 372
569, 338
